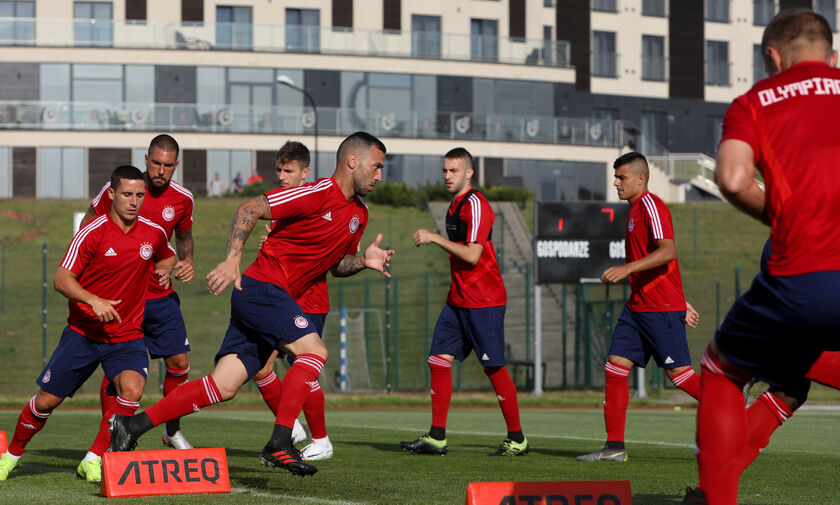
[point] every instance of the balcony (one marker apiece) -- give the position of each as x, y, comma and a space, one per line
92, 116
46, 32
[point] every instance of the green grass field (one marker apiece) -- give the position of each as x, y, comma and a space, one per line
799, 466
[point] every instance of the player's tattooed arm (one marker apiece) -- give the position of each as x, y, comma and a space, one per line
373, 258
244, 221
185, 246
348, 266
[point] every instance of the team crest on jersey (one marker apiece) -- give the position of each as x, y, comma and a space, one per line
630, 225
146, 250
301, 322
354, 224
168, 213
46, 377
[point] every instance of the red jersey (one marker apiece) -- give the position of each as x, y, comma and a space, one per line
171, 209
481, 285
113, 265
316, 227
657, 289
788, 120
316, 299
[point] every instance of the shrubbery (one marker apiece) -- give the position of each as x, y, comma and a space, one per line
402, 195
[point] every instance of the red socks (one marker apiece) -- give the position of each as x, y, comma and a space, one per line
103, 438
689, 382
441, 389
764, 416
506, 393
270, 389
617, 397
721, 433
174, 377
29, 423
296, 386
106, 401
186, 399
313, 409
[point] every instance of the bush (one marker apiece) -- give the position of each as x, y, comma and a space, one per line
254, 189
395, 195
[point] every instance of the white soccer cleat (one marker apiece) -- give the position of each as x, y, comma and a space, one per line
299, 433
176, 441
322, 449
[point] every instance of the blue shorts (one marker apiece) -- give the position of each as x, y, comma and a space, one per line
640, 335
262, 316
318, 320
459, 331
163, 327
77, 356
778, 329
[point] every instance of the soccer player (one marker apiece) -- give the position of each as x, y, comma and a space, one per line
292, 165
653, 321
170, 206
319, 228
777, 330
104, 275
473, 316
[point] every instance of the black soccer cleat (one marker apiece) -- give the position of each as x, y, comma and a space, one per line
288, 459
121, 437
425, 444
694, 497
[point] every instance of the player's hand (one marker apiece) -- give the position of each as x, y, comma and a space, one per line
263, 238
104, 310
378, 259
163, 276
185, 270
422, 236
692, 317
614, 274
220, 277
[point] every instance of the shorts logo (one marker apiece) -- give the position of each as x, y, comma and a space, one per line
46, 377
146, 250
168, 213
354, 224
630, 225
301, 322
484, 357
668, 360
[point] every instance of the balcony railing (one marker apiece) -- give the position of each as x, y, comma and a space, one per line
92, 116
46, 32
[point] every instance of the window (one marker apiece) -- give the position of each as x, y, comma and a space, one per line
61, 172
549, 48
425, 36
653, 58
604, 59
763, 11
93, 23
717, 11
653, 8
759, 72
717, 63
605, 5
548, 3
303, 30
484, 39
17, 32
828, 9
5, 173
654, 126
233, 27
714, 130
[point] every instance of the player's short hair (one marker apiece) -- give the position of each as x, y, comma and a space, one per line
459, 153
358, 143
292, 151
165, 142
630, 158
125, 172
796, 25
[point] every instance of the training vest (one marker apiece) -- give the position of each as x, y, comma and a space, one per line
456, 228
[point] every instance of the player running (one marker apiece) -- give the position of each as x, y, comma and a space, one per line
473, 316
319, 228
104, 275
653, 322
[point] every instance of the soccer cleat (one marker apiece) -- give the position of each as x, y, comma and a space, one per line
7, 464
694, 497
288, 459
317, 451
425, 445
605, 454
91, 470
299, 433
121, 438
176, 441
510, 448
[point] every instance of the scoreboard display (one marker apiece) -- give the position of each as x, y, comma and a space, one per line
574, 242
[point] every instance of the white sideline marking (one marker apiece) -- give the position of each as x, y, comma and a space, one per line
296, 499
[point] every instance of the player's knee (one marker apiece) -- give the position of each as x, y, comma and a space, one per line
46, 402
131, 391
179, 361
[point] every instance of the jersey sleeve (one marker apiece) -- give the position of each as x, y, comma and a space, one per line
659, 219
302, 201
479, 217
81, 250
186, 221
102, 204
738, 124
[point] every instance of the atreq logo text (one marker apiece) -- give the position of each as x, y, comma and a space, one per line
170, 471
553, 499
